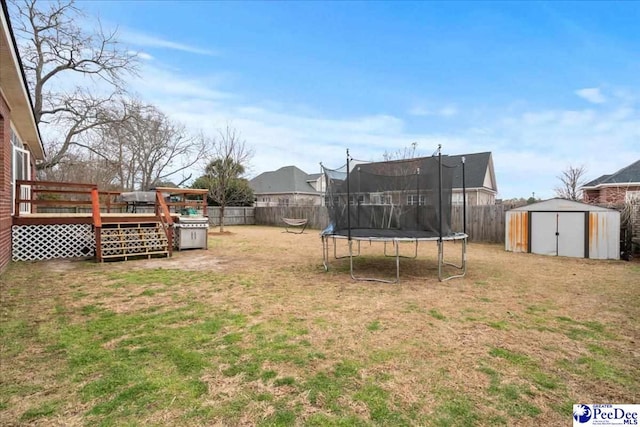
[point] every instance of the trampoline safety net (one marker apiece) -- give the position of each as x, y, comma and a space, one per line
391, 199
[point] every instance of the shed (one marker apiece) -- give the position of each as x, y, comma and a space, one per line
564, 228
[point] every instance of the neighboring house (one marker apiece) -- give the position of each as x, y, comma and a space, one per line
622, 186
317, 181
287, 186
480, 178
19, 136
481, 188
290, 186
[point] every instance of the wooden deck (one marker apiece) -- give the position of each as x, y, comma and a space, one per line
84, 218
105, 222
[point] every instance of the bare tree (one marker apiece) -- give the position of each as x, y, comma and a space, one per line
86, 168
228, 163
401, 154
58, 54
571, 179
148, 147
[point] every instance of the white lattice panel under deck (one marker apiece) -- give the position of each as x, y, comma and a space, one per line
39, 242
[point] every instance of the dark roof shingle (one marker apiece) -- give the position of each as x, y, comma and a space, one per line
627, 174
287, 179
475, 169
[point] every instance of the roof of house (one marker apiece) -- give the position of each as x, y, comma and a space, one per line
475, 169
287, 179
290, 179
625, 175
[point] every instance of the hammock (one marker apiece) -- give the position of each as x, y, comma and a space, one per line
293, 222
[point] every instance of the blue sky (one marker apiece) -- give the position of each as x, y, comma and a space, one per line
539, 84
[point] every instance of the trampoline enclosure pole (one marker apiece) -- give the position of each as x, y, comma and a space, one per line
464, 200
348, 201
418, 191
440, 191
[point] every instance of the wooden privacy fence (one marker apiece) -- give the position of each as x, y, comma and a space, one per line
232, 215
316, 216
484, 223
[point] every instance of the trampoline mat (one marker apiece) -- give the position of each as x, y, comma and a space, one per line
381, 233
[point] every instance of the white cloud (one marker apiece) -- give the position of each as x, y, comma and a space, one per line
158, 83
142, 55
137, 38
591, 94
530, 147
421, 111
448, 111
145, 56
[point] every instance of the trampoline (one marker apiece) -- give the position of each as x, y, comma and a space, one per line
392, 202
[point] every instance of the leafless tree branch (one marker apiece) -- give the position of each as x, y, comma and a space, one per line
228, 161
571, 179
54, 49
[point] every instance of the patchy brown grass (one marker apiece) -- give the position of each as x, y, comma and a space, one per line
253, 331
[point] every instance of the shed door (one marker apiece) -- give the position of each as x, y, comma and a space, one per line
558, 233
571, 234
543, 233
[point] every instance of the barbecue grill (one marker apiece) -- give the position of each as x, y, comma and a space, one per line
191, 232
139, 199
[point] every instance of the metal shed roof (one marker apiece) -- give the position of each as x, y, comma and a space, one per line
561, 205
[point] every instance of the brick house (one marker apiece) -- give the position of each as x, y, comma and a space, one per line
615, 189
19, 135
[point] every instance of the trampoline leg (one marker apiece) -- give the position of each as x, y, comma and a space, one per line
462, 261
335, 251
441, 263
372, 279
351, 261
415, 254
325, 252
397, 245
440, 260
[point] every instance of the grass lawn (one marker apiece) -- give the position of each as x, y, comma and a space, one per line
254, 332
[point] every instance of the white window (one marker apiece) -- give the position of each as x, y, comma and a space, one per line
456, 198
357, 200
632, 196
380, 199
20, 170
412, 200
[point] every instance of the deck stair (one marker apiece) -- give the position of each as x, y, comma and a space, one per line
133, 240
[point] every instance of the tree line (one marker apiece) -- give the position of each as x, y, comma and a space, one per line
94, 129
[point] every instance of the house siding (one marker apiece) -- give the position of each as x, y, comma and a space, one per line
635, 220
5, 185
609, 195
475, 197
286, 199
